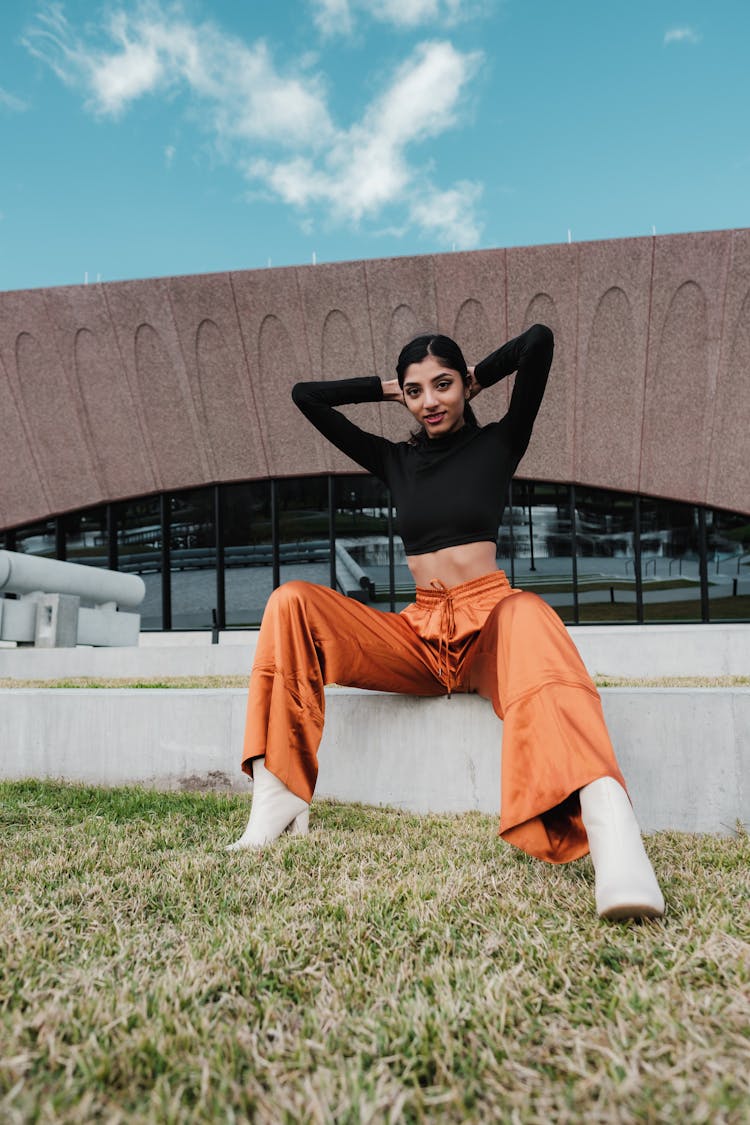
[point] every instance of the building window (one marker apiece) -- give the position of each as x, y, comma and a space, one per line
670, 561
728, 565
38, 539
192, 558
606, 563
210, 557
248, 552
139, 551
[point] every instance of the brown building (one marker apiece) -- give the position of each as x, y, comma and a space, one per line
153, 418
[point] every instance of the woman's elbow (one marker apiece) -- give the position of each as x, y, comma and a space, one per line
541, 335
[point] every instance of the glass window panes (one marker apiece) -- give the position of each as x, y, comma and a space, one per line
139, 541
37, 539
304, 546
538, 516
363, 546
86, 536
192, 558
586, 562
670, 570
248, 552
728, 549
605, 556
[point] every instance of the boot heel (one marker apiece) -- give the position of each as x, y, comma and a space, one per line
300, 825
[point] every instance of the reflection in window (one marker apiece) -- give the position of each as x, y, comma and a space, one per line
670, 568
728, 541
535, 533
86, 536
139, 551
37, 539
585, 567
192, 558
304, 544
248, 552
605, 557
363, 545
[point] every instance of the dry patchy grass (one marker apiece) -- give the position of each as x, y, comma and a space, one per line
387, 968
197, 682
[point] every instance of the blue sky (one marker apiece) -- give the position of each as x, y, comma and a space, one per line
160, 138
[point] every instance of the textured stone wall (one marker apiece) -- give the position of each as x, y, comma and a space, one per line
115, 390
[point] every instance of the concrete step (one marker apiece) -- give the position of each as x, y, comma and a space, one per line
634, 651
684, 752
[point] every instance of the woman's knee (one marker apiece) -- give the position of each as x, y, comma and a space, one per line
522, 603
290, 595
526, 611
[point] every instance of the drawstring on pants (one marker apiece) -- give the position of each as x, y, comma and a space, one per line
447, 630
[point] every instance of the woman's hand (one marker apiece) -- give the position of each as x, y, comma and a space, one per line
392, 392
474, 386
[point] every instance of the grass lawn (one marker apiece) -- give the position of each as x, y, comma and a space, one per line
388, 967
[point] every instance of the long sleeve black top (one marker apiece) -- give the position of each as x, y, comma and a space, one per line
447, 490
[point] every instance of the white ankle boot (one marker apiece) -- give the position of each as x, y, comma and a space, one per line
275, 809
626, 885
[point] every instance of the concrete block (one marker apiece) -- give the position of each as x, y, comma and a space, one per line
18, 624
56, 623
685, 753
107, 627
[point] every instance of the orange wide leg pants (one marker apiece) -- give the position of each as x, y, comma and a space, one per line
505, 644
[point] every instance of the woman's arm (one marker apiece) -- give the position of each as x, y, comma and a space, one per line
317, 401
530, 354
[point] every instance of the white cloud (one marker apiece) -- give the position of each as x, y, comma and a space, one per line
337, 17
11, 102
276, 126
451, 214
156, 50
681, 35
333, 17
169, 155
366, 169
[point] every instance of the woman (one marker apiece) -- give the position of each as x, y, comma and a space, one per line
468, 630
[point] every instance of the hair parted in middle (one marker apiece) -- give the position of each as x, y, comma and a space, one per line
446, 351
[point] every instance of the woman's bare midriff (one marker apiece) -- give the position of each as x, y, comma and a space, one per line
453, 565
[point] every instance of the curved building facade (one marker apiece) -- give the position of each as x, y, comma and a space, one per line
132, 397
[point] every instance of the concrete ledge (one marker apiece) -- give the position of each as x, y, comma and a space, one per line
153, 662
685, 753
612, 650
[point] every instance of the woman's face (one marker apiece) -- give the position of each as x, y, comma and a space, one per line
435, 395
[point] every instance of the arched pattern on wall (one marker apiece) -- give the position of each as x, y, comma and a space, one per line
402, 328
550, 441
159, 408
341, 359
610, 387
225, 418
676, 400
472, 327
122, 462
167, 418
338, 350
60, 446
286, 432
22, 484
730, 447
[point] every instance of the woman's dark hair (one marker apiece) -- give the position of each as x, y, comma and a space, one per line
446, 351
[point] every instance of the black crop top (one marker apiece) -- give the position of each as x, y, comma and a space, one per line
447, 490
